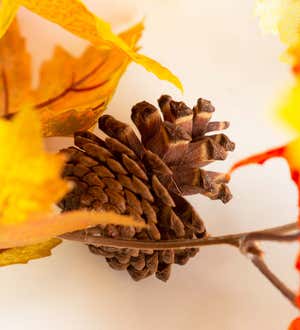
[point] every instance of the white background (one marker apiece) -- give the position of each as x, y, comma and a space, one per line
217, 50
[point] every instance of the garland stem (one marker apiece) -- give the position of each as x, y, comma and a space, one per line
234, 239
246, 242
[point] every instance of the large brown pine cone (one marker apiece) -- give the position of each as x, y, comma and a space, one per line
146, 179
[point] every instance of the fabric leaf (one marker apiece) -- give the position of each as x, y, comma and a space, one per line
289, 152
30, 178
75, 101
40, 227
289, 23
269, 13
295, 325
31, 184
8, 11
280, 17
66, 103
288, 107
15, 71
21, 255
73, 16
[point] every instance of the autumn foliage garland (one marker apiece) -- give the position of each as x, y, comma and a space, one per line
62, 110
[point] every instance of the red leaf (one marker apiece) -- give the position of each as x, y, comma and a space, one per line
295, 325
260, 158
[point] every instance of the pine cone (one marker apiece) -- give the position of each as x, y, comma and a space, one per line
146, 178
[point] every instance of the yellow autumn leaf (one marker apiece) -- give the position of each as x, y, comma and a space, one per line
288, 107
289, 23
281, 17
269, 13
73, 16
292, 153
21, 255
30, 184
8, 11
30, 178
288, 110
148, 63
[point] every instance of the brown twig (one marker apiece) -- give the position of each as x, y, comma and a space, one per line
234, 240
246, 242
250, 241
251, 238
259, 262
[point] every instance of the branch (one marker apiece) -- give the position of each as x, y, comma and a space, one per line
250, 241
246, 242
235, 240
265, 270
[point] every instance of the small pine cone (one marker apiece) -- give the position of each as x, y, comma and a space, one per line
146, 179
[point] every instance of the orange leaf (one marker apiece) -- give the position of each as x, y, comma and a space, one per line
73, 16
66, 102
77, 101
41, 227
15, 71
21, 255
